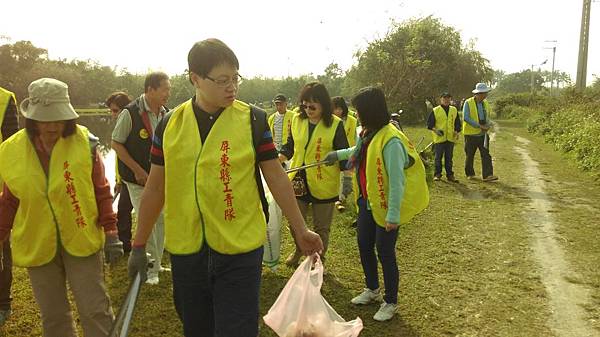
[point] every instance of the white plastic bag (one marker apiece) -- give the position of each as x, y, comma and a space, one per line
272, 245
301, 311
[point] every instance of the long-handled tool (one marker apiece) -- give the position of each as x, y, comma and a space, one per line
420, 142
426, 147
322, 162
123, 319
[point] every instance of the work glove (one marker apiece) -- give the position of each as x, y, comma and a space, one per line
138, 263
439, 132
331, 158
347, 185
113, 249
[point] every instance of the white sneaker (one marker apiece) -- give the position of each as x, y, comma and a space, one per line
152, 280
367, 296
386, 312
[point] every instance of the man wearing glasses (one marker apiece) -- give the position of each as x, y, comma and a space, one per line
131, 140
215, 219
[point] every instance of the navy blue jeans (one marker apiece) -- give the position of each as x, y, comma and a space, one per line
370, 237
443, 150
217, 295
472, 144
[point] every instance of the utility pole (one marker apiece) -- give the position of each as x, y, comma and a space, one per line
552, 75
580, 83
533, 76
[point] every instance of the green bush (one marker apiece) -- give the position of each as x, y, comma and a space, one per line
575, 129
571, 121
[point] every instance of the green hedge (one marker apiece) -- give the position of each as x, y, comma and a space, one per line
570, 121
575, 129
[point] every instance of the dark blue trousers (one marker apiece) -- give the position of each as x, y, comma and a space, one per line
370, 237
443, 150
217, 295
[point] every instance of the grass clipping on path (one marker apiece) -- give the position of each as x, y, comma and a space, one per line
465, 268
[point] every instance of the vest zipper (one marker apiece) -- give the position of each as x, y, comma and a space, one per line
47, 195
197, 201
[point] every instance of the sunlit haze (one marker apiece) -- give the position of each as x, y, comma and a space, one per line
281, 38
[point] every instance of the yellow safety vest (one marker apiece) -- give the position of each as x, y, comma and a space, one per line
5, 97
287, 125
323, 181
445, 123
61, 206
469, 130
350, 128
416, 193
210, 187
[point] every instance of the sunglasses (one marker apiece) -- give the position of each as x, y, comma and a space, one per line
309, 107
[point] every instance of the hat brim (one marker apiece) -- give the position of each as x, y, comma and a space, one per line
48, 113
481, 91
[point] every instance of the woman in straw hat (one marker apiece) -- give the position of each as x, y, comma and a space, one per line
57, 202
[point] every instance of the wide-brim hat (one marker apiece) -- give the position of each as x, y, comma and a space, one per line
481, 88
48, 101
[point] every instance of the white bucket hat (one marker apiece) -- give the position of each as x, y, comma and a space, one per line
48, 101
481, 88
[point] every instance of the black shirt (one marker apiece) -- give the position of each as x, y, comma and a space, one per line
431, 120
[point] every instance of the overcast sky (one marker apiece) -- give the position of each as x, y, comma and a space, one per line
279, 38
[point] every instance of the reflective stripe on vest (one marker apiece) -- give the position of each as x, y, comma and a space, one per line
350, 129
416, 193
63, 203
468, 129
323, 181
445, 123
210, 188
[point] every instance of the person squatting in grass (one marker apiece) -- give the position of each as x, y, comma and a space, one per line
116, 102
392, 190
445, 126
9, 122
57, 202
214, 205
315, 132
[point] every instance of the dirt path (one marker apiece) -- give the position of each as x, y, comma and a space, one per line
565, 298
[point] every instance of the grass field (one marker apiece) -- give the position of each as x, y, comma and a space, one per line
466, 263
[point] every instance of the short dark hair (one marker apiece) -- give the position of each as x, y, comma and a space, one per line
120, 98
316, 92
340, 102
371, 108
32, 131
209, 53
153, 80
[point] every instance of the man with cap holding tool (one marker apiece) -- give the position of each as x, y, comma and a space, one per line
281, 121
445, 125
476, 124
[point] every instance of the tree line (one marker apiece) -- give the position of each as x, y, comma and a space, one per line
415, 61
